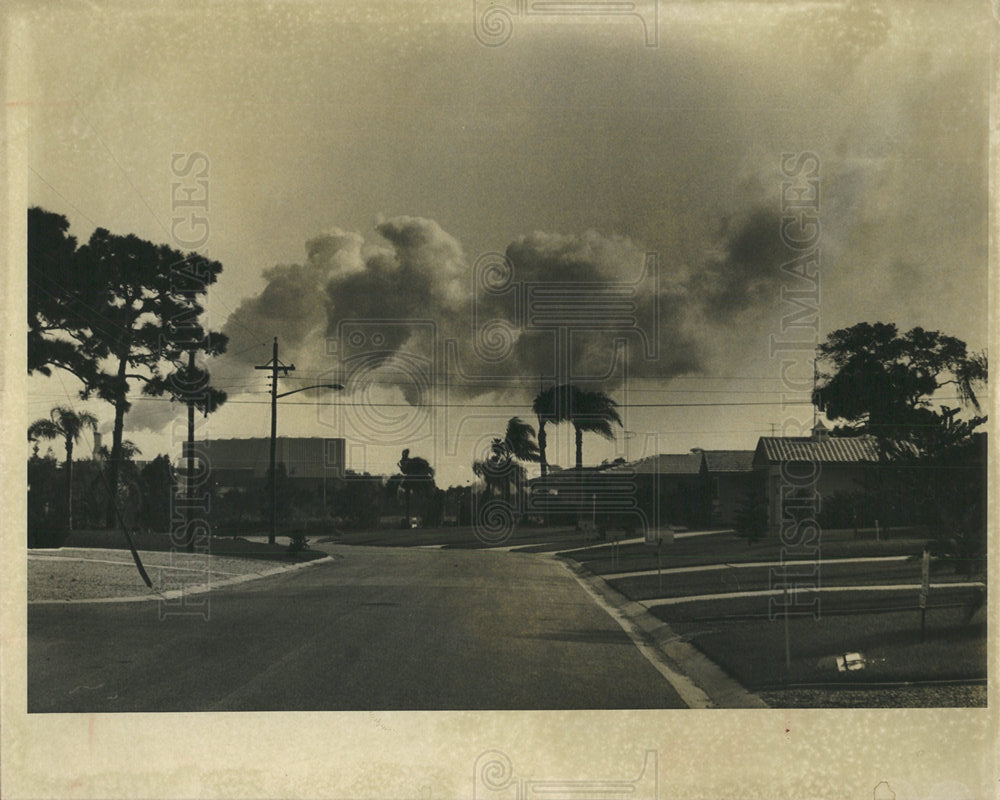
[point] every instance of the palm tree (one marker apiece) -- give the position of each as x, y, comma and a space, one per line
518, 444
550, 405
129, 451
592, 412
68, 424
501, 467
519, 440
486, 470
414, 473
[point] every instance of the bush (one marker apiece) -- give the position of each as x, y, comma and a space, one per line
751, 516
46, 507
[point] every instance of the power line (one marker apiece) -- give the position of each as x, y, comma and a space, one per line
486, 405
54, 189
482, 405
460, 377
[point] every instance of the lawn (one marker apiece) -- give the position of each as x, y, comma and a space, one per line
728, 548
827, 604
753, 651
748, 579
746, 635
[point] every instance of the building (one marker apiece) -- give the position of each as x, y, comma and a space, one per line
729, 478
653, 492
606, 496
671, 488
802, 471
309, 462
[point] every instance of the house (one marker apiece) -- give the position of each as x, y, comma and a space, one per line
729, 479
588, 493
669, 488
672, 488
796, 473
654, 492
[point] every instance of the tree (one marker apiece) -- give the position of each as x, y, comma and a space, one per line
501, 467
57, 299
591, 412
129, 451
67, 424
128, 495
117, 310
415, 474
519, 440
359, 499
942, 477
486, 469
588, 411
141, 314
549, 405
45, 508
883, 383
157, 479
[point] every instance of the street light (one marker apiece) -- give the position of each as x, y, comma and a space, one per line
317, 386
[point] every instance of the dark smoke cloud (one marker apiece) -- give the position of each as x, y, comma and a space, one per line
415, 289
506, 316
745, 273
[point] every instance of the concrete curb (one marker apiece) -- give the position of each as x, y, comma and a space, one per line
173, 594
722, 690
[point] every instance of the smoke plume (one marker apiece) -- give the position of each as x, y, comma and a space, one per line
551, 306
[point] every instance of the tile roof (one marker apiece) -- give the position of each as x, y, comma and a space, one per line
834, 450
729, 460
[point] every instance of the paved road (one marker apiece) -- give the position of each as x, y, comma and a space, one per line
375, 629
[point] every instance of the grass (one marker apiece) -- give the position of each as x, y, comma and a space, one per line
728, 548
760, 578
746, 635
826, 604
753, 651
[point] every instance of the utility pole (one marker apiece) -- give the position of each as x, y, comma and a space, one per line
274, 365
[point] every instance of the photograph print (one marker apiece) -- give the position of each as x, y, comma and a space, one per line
503, 357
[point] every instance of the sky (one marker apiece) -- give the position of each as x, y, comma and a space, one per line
442, 226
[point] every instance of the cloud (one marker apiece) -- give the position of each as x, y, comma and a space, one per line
552, 306
745, 272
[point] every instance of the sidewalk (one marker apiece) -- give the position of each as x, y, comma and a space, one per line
96, 575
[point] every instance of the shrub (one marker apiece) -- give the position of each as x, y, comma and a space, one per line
751, 516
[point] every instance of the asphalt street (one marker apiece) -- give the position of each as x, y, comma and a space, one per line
374, 629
